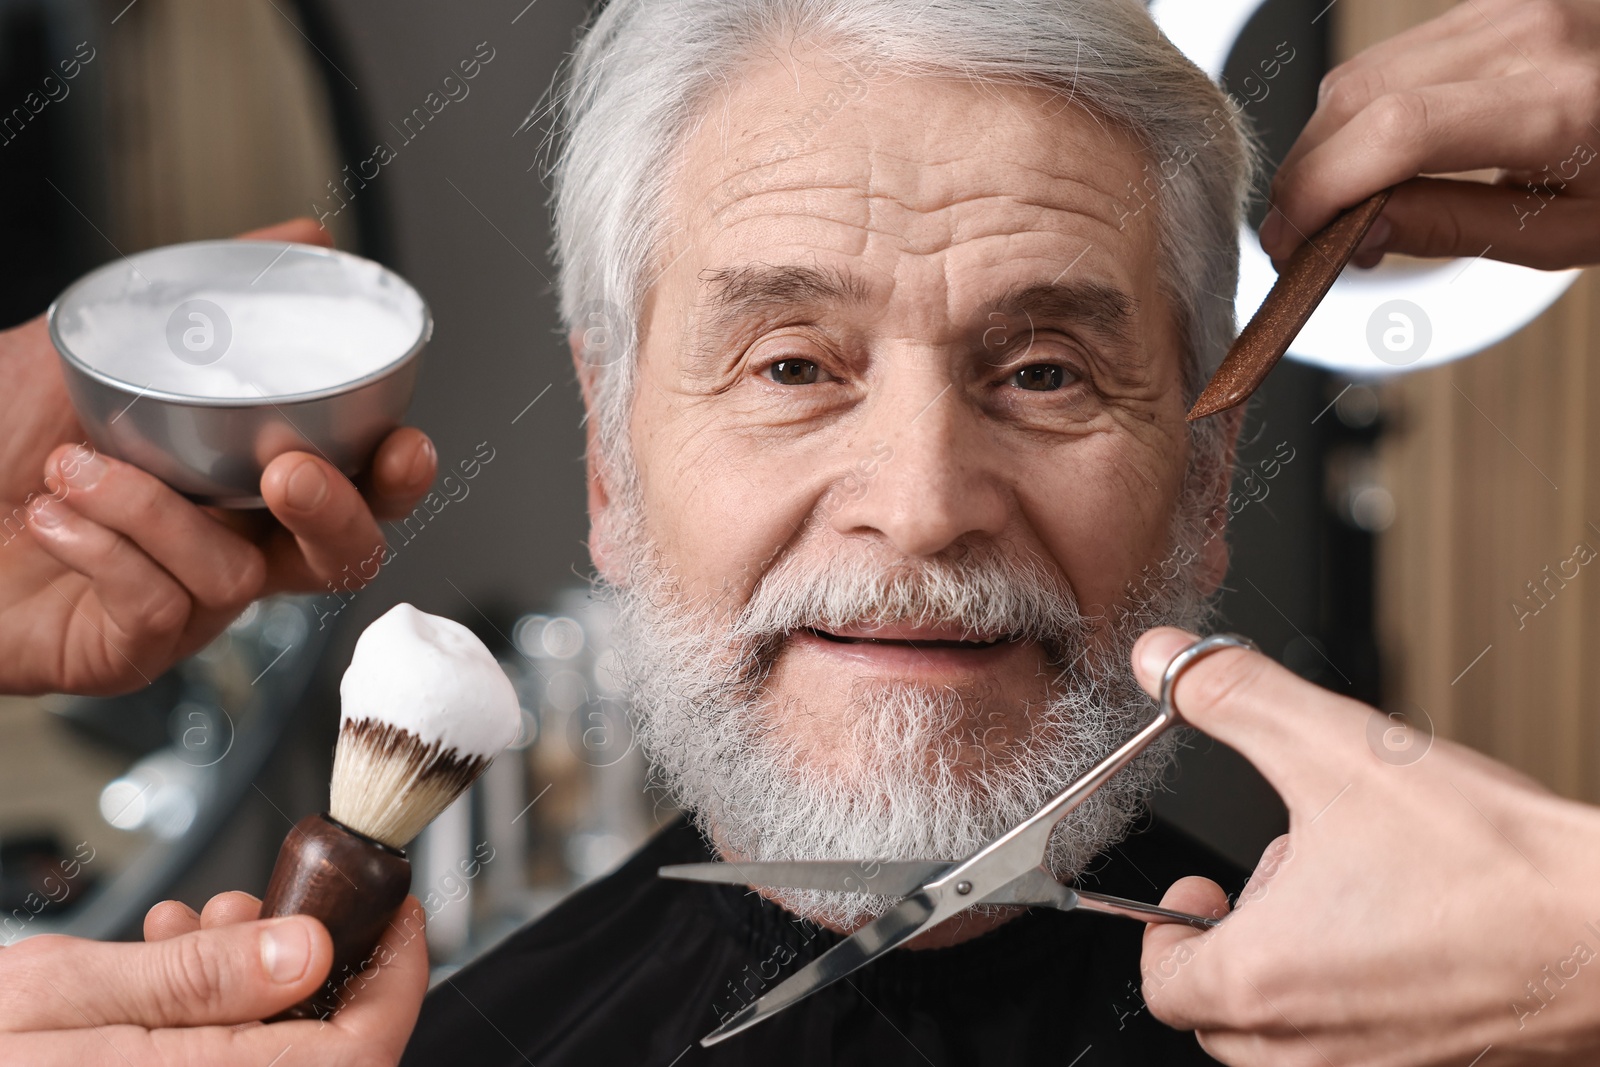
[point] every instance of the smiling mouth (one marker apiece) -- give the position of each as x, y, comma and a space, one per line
846, 639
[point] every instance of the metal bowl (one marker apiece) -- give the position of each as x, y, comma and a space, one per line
171, 303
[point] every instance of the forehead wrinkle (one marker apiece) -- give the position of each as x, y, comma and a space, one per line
963, 214
755, 116
838, 192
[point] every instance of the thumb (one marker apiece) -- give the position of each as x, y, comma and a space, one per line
1307, 742
1169, 949
301, 231
223, 976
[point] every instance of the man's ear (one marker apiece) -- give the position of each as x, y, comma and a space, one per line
1212, 565
601, 542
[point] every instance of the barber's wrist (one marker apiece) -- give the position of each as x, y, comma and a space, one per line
1556, 1006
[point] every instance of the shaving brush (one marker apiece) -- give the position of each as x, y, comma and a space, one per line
424, 709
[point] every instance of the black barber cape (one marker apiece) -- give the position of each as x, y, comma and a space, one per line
633, 970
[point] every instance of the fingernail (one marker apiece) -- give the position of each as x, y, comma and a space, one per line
285, 950
1157, 648
1377, 236
47, 514
1271, 230
307, 487
83, 473
422, 463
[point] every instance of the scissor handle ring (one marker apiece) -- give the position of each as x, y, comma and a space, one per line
1186, 659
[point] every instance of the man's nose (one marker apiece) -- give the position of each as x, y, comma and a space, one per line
933, 476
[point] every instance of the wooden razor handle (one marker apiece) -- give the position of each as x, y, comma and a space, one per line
349, 881
1311, 272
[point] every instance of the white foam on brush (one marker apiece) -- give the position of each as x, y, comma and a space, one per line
431, 676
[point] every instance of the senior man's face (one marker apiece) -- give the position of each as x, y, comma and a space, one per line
908, 422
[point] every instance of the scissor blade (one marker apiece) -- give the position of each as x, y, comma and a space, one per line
894, 927
896, 878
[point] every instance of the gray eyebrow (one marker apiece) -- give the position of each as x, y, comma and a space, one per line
735, 292
1104, 308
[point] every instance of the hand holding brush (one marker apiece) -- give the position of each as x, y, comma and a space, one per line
425, 708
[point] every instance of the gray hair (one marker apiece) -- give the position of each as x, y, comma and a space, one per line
643, 71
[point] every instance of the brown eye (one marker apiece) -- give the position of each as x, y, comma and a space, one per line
1040, 377
794, 372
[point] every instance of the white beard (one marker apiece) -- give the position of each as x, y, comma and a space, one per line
921, 779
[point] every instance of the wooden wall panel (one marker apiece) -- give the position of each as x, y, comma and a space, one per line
1496, 477
219, 122
1488, 587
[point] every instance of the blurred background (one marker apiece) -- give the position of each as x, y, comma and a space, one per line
1400, 523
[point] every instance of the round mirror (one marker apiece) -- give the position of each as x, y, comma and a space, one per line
1403, 314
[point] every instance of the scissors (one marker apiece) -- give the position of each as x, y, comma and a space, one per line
1009, 870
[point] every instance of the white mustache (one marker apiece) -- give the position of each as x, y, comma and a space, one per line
979, 590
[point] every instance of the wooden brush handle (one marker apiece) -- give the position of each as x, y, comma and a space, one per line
353, 884
1310, 273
